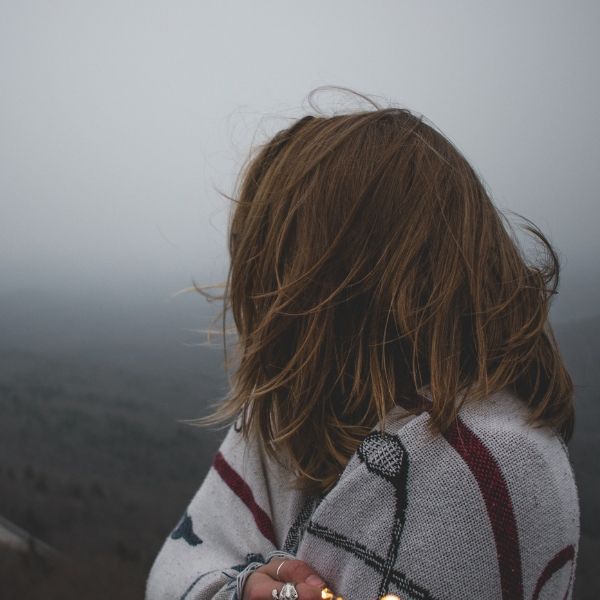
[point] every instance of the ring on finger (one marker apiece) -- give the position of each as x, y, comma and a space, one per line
279, 567
288, 592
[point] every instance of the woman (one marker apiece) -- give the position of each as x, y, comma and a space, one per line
399, 411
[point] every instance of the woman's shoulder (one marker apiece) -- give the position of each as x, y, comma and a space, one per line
490, 440
485, 427
492, 500
493, 442
513, 479
495, 432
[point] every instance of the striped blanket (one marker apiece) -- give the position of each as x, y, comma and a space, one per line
487, 511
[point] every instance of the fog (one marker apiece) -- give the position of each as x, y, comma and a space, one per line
121, 120
121, 123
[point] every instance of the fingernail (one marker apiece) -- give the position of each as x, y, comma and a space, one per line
314, 580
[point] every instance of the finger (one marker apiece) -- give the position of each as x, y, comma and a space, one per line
293, 570
260, 586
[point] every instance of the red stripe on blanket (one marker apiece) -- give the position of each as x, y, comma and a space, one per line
559, 560
242, 490
499, 506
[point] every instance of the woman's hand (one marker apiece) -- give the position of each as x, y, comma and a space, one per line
260, 583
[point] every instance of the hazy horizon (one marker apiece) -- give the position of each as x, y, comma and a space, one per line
121, 121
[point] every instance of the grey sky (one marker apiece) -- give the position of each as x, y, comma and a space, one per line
119, 118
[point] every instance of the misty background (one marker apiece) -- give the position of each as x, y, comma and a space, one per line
121, 121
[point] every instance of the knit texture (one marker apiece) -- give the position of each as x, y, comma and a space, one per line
489, 510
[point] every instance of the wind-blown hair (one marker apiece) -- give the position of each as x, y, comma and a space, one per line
368, 263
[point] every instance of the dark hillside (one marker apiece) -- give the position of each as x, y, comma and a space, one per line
580, 345
94, 462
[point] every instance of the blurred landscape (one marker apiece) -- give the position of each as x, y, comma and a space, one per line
124, 128
94, 461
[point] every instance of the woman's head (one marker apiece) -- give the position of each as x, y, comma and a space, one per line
368, 262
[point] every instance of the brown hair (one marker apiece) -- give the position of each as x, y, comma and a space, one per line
368, 262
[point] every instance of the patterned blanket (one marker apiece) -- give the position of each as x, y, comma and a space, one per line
488, 511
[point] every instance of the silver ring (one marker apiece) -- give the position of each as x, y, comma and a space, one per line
288, 592
279, 567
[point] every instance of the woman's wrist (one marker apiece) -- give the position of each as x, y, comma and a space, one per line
243, 575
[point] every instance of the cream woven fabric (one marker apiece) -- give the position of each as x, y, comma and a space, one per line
488, 511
